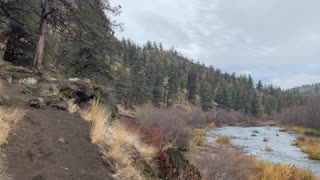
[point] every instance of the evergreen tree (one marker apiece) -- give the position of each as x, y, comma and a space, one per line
173, 85
157, 90
206, 101
255, 106
192, 86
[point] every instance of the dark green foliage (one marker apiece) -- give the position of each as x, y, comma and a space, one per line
192, 86
122, 88
255, 106
206, 100
173, 85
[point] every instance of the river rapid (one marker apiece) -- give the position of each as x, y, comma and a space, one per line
250, 140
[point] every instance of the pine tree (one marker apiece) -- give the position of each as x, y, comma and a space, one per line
255, 106
206, 101
138, 79
173, 85
122, 88
192, 86
157, 90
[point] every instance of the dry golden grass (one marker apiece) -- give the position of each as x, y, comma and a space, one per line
263, 170
9, 117
72, 107
268, 148
309, 145
223, 140
115, 142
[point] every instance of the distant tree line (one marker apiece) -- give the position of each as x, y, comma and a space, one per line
150, 73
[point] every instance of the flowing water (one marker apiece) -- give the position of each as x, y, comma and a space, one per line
250, 140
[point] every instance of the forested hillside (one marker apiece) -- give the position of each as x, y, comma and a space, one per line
80, 42
308, 90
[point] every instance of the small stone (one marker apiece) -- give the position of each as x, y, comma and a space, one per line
61, 140
61, 106
37, 103
253, 135
28, 81
255, 131
73, 79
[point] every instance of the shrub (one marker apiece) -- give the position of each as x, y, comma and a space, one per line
265, 139
226, 163
197, 117
223, 140
121, 147
268, 148
170, 124
228, 117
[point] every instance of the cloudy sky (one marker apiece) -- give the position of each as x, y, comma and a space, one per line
276, 41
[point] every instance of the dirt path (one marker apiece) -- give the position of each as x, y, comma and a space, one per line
50, 144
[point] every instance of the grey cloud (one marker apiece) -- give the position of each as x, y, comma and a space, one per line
276, 41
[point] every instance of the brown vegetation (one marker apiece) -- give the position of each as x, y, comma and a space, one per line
223, 140
117, 144
170, 124
9, 117
229, 163
307, 115
309, 145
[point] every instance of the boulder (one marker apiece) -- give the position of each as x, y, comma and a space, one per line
48, 89
37, 102
255, 131
253, 135
58, 104
29, 81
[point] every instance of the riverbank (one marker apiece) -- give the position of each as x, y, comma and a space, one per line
252, 141
308, 140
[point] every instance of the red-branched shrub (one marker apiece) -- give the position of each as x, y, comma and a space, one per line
170, 124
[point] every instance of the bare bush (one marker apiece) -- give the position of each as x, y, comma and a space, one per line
228, 117
312, 112
197, 117
226, 163
307, 115
170, 124
292, 115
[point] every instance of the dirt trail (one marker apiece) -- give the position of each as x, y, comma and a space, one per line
36, 150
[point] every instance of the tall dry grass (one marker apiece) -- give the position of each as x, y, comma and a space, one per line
117, 144
9, 117
72, 106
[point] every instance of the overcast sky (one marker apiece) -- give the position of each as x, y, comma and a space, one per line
276, 41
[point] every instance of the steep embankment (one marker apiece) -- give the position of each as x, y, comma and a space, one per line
49, 143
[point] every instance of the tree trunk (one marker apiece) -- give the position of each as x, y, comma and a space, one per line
42, 33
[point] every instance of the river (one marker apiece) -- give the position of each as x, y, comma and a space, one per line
250, 140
